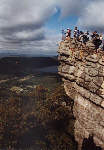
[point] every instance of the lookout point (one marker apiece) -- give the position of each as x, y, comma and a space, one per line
81, 67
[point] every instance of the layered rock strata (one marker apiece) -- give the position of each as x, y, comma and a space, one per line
82, 70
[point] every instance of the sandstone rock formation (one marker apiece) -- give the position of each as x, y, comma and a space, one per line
82, 70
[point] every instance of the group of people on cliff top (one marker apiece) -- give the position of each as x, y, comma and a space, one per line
84, 37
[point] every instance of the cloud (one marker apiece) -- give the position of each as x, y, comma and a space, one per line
72, 7
93, 16
89, 12
22, 22
20, 13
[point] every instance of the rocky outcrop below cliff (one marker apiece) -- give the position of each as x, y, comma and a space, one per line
82, 70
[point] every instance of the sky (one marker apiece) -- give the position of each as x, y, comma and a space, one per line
34, 26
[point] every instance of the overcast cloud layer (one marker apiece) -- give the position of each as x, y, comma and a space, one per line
22, 22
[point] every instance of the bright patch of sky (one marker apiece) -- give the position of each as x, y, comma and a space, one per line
57, 23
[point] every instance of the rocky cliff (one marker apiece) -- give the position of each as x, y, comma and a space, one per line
82, 70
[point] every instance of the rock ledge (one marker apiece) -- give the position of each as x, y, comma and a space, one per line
82, 70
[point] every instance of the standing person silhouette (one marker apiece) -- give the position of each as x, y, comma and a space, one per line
68, 33
75, 32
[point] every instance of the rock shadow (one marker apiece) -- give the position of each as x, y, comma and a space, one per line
88, 144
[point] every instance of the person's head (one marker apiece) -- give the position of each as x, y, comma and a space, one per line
81, 32
68, 30
76, 28
101, 35
95, 32
97, 35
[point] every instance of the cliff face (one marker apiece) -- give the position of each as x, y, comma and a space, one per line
82, 70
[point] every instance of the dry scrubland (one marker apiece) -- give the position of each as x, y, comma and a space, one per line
40, 120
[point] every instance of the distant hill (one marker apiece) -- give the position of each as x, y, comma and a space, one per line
18, 54
18, 65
